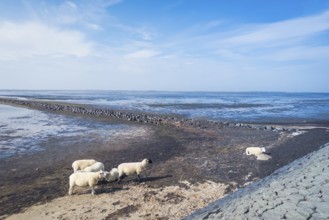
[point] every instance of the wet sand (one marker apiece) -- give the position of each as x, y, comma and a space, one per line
192, 167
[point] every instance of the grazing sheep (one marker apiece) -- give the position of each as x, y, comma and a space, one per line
81, 164
255, 150
112, 175
98, 166
85, 179
131, 168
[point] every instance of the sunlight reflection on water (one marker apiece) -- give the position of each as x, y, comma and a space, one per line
22, 130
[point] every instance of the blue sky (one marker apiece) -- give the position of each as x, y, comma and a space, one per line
183, 45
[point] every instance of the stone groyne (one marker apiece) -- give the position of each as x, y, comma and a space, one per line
131, 116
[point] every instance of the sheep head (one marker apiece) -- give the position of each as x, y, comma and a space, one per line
102, 174
112, 175
145, 162
148, 161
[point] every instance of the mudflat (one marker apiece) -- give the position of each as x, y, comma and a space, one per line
192, 167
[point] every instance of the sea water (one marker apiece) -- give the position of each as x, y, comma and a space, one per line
257, 107
22, 130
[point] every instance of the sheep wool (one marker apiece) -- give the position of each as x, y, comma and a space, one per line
255, 150
85, 179
112, 175
263, 157
133, 168
82, 164
98, 166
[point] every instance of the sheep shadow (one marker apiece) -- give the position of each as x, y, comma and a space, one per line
105, 189
108, 187
154, 178
144, 179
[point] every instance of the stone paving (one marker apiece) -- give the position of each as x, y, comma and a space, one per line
299, 190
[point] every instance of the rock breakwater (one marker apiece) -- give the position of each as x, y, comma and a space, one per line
130, 116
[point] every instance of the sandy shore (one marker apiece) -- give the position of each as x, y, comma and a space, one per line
192, 167
131, 201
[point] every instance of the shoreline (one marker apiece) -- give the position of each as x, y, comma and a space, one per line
186, 155
144, 117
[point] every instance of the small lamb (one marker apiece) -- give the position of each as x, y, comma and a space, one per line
85, 179
98, 166
82, 164
131, 168
255, 150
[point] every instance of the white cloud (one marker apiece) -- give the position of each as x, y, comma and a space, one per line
90, 15
298, 29
145, 53
93, 15
206, 56
303, 53
288, 40
18, 40
93, 26
67, 13
142, 32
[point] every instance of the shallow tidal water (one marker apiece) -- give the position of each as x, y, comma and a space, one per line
23, 130
258, 107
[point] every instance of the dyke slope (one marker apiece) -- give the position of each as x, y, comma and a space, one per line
299, 190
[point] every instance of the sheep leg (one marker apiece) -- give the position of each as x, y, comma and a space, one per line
70, 190
139, 178
120, 177
92, 190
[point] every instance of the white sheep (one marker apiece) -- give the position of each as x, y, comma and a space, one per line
263, 157
98, 166
85, 179
255, 150
82, 164
132, 168
112, 175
